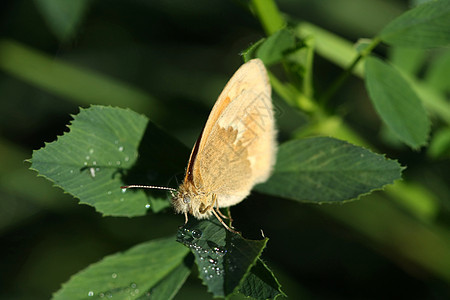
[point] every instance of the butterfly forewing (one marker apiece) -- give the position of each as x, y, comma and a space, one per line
237, 147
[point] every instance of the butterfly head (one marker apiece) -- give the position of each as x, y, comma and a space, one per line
187, 199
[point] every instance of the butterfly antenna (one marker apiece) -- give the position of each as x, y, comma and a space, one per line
138, 186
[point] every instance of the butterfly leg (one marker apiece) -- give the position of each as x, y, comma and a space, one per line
217, 213
185, 217
221, 214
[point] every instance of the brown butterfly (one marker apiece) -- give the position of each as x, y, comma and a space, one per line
235, 150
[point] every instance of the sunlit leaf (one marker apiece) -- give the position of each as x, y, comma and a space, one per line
275, 46
396, 102
425, 26
324, 169
131, 274
106, 148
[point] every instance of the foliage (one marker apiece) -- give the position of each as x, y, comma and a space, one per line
325, 159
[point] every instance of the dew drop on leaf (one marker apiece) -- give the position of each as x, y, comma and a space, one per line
196, 234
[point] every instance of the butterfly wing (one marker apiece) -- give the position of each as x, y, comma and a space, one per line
237, 147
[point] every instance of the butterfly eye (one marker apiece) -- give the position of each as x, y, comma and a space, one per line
186, 199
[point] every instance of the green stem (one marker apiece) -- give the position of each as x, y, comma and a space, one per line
269, 15
336, 85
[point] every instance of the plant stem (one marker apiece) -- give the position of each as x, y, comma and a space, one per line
269, 15
336, 85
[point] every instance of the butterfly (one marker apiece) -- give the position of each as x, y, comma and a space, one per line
235, 151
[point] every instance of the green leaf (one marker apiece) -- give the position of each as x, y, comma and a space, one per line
105, 149
322, 169
410, 60
440, 144
224, 259
128, 275
275, 46
425, 26
261, 283
249, 53
438, 74
168, 287
396, 102
63, 16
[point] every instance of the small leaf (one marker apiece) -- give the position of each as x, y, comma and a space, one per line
168, 287
324, 169
396, 102
128, 275
275, 46
409, 60
440, 144
105, 149
438, 73
63, 16
261, 283
249, 53
425, 26
223, 258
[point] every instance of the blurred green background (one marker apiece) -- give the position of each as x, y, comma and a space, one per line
169, 60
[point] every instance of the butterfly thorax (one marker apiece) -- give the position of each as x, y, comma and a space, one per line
189, 199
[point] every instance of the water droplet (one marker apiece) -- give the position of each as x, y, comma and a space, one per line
85, 163
101, 295
88, 157
109, 295
121, 148
109, 193
116, 142
114, 275
147, 206
121, 199
212, 261
90, 293
133, 285
71, 171
92, 171
124, 190
94, 162
196, 234
118, 162
91, 151
220, 251
127, 158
